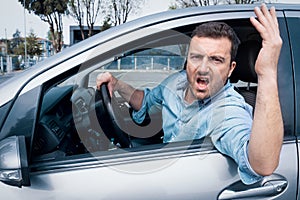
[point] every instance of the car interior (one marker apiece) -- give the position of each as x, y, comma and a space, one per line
76, 119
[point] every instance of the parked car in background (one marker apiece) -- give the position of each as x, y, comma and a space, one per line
62, 139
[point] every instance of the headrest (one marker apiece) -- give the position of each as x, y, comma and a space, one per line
245, 62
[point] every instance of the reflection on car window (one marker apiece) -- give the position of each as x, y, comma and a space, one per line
65, 128
164, 58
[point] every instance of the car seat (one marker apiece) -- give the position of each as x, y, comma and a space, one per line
244, 74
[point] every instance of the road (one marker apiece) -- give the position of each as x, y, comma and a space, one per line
137, 79
5, 77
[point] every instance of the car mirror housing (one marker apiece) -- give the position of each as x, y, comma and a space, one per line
13, 161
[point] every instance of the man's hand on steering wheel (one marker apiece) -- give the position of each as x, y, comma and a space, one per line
107, 78
107, 113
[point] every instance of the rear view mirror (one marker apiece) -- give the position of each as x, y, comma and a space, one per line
13, 161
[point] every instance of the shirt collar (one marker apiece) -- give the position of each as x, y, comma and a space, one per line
182, 85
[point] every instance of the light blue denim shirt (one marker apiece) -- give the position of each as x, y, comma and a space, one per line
225, 117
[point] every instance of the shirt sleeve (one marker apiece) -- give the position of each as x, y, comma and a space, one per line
139, 116
246, 173
151, 99
231, 125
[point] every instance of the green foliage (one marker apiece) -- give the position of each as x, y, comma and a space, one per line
50, 11
46, 7
15, 42
85, 12
32, 46
106, 24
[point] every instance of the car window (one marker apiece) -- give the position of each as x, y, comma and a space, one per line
293, 21
147, 67
65, 126
68, 124
169, 57
3, 112
286, 82
21, 118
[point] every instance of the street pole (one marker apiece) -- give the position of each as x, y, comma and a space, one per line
6, 54
1, 65
6, 49
25, 43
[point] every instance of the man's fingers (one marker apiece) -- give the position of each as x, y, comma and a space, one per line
261, 15
102, 78
259, 22
258, 26
271, 19
266, 23
274, 16
99, 81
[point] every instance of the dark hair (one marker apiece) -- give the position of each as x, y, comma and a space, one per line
218, 30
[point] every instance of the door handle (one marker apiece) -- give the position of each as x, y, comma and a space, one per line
269, 186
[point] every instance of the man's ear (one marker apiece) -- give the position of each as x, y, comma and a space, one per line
232, 67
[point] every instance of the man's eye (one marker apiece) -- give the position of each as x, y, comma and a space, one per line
195, 57
217, 60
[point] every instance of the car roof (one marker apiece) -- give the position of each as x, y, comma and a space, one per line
20, 79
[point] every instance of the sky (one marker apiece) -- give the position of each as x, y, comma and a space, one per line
12, 18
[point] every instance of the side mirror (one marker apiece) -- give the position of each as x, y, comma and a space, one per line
13, 161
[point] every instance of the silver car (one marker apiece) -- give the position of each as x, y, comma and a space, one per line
62, 139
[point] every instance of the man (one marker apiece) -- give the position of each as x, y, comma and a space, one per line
200, 101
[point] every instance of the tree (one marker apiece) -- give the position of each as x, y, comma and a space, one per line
192, 3
77, 13
50, 11
93, 8
195, 3
119, 10
15, 42
248, 1
32, 46
87, 10
106, 24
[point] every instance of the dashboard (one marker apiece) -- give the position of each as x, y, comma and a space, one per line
56, 130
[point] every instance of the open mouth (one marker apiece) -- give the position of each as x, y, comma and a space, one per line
202, 80
202, 83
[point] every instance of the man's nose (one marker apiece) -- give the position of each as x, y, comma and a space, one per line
204, 66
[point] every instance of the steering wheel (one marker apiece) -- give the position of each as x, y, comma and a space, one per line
108, 118
85, 120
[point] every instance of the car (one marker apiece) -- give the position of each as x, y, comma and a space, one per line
60, 138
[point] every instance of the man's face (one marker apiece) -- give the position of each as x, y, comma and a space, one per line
208, 66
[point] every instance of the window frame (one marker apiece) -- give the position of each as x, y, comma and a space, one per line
92, 57
293, 22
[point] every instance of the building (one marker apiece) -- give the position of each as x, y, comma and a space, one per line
75, 34
46, 47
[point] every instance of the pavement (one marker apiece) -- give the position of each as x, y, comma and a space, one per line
6, 76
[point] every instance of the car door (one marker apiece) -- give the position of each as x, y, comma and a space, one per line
181, 170
293, 20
